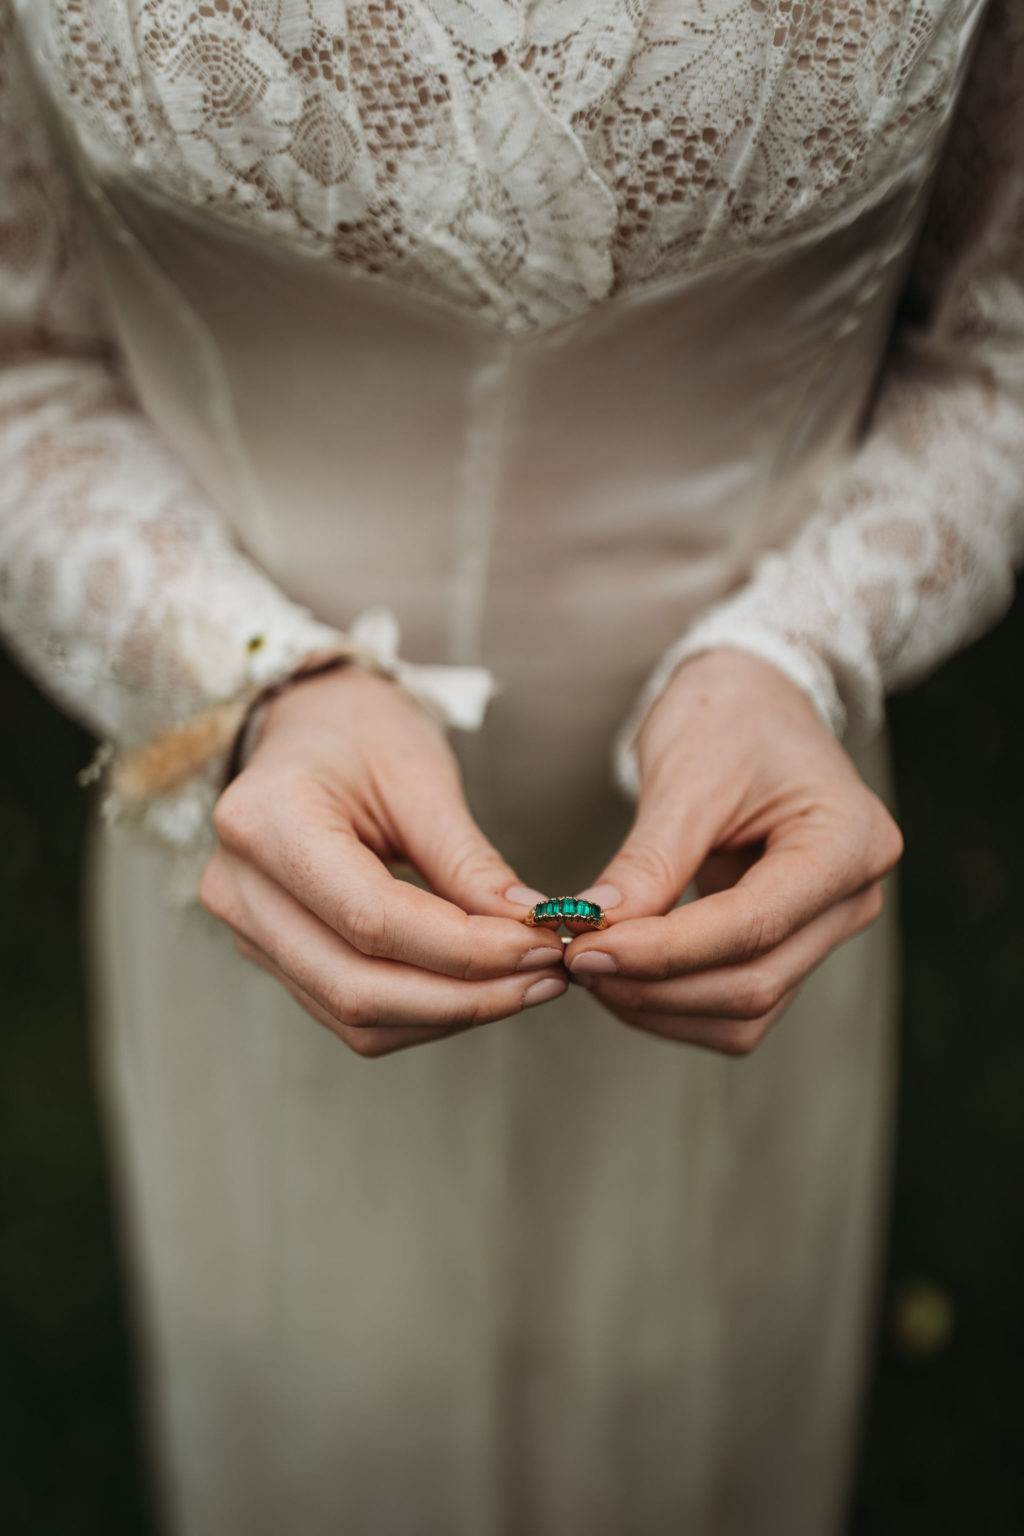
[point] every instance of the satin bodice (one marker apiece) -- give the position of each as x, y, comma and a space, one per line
553, 505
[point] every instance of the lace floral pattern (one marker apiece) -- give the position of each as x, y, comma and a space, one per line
112, 564
515, 160
913, 550
519, 162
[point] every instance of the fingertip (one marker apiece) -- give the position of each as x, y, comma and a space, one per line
593, 962
523, 895
604, 894
538, 959
545, 991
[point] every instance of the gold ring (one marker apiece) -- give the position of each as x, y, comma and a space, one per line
559, 909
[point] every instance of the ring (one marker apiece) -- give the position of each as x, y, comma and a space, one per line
559, 908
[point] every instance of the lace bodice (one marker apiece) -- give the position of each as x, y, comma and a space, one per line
913, 549
518, 163
513, 160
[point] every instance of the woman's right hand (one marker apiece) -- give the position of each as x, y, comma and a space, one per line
350, 774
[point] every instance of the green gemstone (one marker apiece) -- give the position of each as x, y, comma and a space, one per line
549, 909
569, 907
586, 908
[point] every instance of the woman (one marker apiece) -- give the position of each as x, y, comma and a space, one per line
573, 335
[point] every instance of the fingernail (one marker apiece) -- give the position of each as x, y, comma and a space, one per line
537, 959
524, 895
604, 895
593, 962
544, 991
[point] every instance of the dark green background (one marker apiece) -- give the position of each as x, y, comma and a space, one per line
942, 1451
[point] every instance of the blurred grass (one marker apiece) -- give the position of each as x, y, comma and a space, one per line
69, 1463
944, 1427
945, 1430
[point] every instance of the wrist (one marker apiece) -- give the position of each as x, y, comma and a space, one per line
727, 689
264, 711
729, 676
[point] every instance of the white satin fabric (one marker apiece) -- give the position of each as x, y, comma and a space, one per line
549, 1278
500, 493
552, 1277
530, 327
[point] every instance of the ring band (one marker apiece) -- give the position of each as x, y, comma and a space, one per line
566, 908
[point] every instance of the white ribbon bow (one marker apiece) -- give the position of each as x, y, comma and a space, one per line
460, 694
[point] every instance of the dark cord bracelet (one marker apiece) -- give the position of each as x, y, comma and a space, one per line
271, 691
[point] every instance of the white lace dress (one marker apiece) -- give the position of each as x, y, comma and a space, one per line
517, 320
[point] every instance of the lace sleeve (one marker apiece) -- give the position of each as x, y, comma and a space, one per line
121, 590
911, 553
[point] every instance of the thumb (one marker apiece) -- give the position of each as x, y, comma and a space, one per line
661, 855
452, 854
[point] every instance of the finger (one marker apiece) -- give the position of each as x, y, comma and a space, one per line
752, 990
728, 1037
666, 846
360, 992
722, 869
448, 848
807, 867
317, 857
383, 1041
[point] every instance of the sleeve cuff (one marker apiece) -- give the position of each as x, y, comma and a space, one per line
167, 787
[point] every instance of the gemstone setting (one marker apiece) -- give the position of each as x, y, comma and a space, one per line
558, 909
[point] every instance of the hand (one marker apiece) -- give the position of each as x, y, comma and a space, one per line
743, 788
349, 773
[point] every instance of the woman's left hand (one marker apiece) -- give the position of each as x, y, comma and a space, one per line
744, 788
